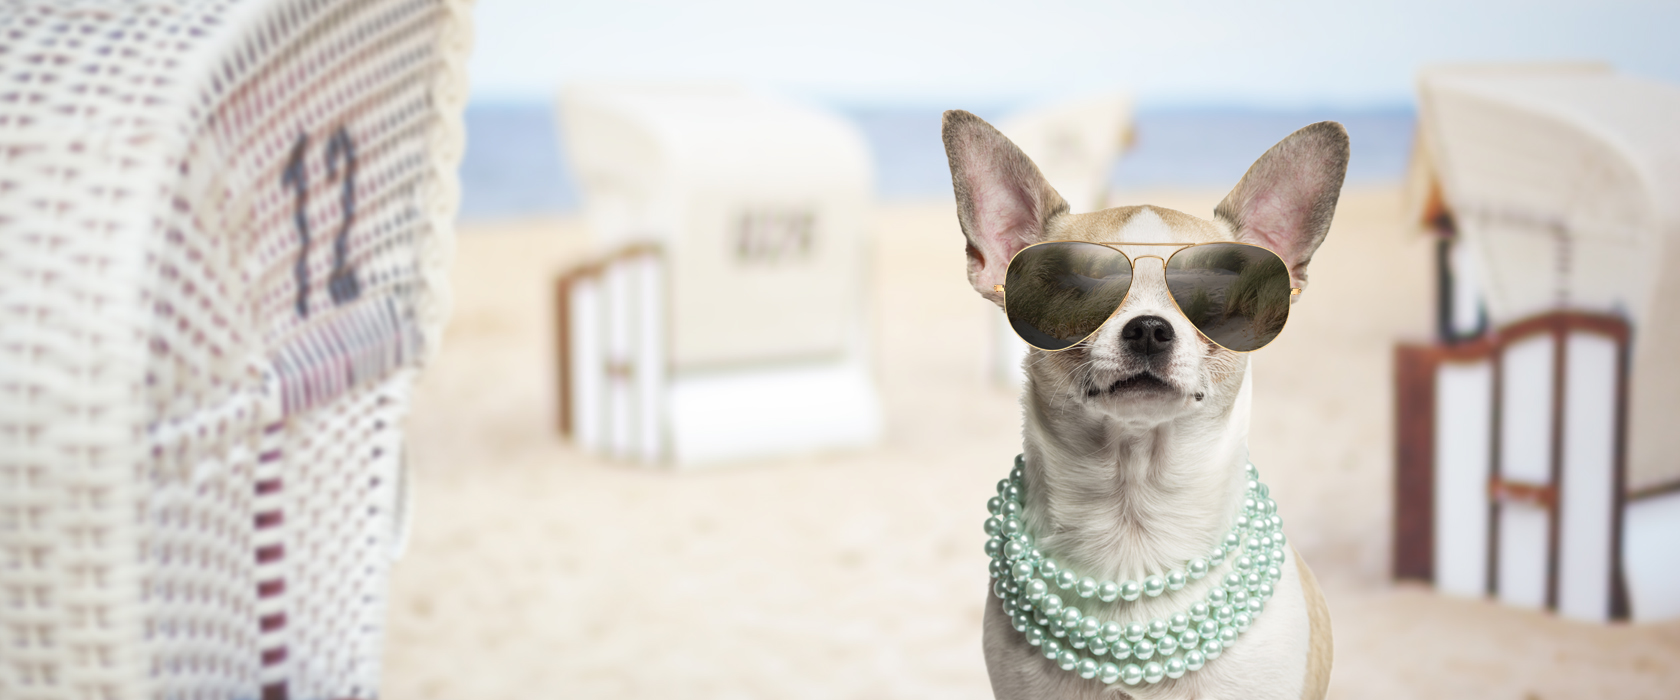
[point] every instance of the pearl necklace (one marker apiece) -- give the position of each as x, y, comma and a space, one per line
1184, 642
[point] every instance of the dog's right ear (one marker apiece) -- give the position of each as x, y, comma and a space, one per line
1003, 202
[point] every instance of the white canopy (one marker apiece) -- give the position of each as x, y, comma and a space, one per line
1564, 184
759, 202
1074, 143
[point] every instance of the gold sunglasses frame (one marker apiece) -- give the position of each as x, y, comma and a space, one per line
1294, 292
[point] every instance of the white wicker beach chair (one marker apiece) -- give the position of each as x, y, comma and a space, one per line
223, 234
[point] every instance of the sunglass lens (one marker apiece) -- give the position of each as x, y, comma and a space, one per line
1237, 295
1058, 293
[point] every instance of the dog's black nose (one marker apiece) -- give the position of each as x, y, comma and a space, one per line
1148, 335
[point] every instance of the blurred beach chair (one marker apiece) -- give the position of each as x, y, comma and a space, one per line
224, 233
1074, 143
1538, 457
724, 319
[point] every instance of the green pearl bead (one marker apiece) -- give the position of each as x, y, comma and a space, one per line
1241, 621
1253, 485
1022, 570
1052, 648
1049, 568
1198, 612
1175, 668
1011, 526
1052, 604
1264, 491
1233, 580
1067, 659
1003, 486
1070, 616
1098, 646
1175, 580
1252, 545
1179, 622
994, 505
1056, 628
1243, 522
1277, 537
1040, 620
994, 546
1255, 605
1108, 591
1231, 541
1211, 648
1273, 573
1131, 674
1244, 563
1277, 556
1108, 672
1136, 631
1154, 586
1218, 595
1086, 587
1157, 628
1143, 649
1120, 649
1261, 561
1194, 660
1251, 472
1227, 636
1010, 508
1265, 590
1252, 580
1250, 506
1111, 631
1065, 579
1207, 628
1020, 620
1198, 568
1152, 672
1216, 557
1087, 668
1075, 641
1224, 613
1000, 587
1035, 636
1167, 645
994, 567
1020, 460
1239, 599
1130, 591
1013, 493
1013, 550
1089, 627
1188, 639
1036, 590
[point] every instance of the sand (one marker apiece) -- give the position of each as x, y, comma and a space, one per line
536, 571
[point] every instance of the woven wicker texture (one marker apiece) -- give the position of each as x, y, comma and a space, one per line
224, 228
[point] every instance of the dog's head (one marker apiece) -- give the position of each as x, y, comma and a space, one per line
1147, 364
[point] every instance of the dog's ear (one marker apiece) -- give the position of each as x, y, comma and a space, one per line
1003, 202
1287, 198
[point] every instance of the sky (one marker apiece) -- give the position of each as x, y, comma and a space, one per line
1265, 54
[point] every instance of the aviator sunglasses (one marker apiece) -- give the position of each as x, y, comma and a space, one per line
1061, 292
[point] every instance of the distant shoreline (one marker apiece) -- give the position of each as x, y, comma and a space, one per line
514, 165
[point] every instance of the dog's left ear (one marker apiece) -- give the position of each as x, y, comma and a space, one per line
1287, 198
1004, 203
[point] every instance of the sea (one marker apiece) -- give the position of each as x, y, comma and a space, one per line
515, 163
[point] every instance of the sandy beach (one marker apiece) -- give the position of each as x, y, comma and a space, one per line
536, 571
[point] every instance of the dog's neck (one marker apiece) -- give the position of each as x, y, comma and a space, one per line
1118, 500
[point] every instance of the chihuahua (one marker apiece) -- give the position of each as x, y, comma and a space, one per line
1135, 433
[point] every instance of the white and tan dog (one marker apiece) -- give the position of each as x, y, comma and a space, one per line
1135, 439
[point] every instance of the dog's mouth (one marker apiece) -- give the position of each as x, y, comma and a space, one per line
1142, 383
